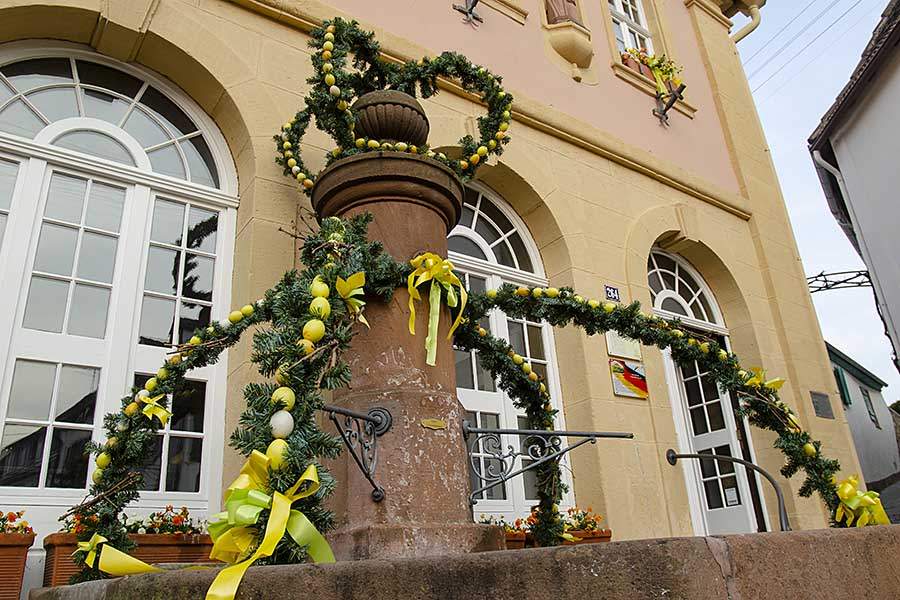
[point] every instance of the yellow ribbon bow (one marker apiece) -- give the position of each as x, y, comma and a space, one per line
759, 379
112, 561
350, 288
864, 507
234, 530
431, 267
153, 409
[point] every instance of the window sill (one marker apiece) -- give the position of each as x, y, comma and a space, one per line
648, 86
509, 8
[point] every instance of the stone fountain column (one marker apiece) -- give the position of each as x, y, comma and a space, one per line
424, 471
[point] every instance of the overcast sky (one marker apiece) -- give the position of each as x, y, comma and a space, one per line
792, 92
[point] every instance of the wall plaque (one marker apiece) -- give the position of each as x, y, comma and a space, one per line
822, 405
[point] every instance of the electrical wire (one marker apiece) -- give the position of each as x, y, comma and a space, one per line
765, 44
796, 37
815, 57
808, 44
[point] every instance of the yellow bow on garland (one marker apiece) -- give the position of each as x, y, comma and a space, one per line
431, 267
350, 288
152, 409
112, 561
759, 379
864, 507
234, 530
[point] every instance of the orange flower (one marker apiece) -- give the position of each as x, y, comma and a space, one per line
177, 520
11, 517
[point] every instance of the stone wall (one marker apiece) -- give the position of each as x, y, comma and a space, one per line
813, 565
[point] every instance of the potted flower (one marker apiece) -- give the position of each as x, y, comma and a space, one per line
584, 527
632, 59
16, 537
663, 70
166, 536
515, 532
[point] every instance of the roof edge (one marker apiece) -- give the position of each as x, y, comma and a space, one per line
854, 368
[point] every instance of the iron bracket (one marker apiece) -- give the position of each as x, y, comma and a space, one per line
665, 102
537, 445
360, 433
469, 11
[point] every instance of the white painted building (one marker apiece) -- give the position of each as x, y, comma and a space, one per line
855, 149
869, 418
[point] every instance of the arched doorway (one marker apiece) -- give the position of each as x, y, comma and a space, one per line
723, 497
489, 247
117, 215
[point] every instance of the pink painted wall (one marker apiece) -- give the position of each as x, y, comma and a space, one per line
517, 52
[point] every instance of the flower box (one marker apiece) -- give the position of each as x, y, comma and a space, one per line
636, 66
13, 552
515, 540
152, 549
594, 536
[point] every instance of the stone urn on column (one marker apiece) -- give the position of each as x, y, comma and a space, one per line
422, 463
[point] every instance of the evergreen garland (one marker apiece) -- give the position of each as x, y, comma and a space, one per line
333, 89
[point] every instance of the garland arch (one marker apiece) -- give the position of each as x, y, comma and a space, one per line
275, 511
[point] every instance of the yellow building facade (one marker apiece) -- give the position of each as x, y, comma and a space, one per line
685, 217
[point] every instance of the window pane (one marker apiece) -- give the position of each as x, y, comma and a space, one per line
168, 220
535, 342
87, 316
202, 228
710, 387
95, 74
724, 467
193, 317
144, 129
716, 418
198, 277
67, 467
490, 421
492, 465
8, 172
105, 207
463, 245
499, 219
101, 105
97, 259
504, 255
29, 74
183, 470
157, 321
162, 270
56, 103
201, 162
692, 389
56, 249
529, 479
485, 379
464, 376
521, 253
713, 495
65, 198
541, 370
18, 119
167, 161
188, 407
467, 215
477, 285
32, 388
95, 144
168, 112
486, 230
517, 336
77, 394
698, 421
5, 92
21, 455
46, 305
707, 467
673, 306
152, 467
2, 227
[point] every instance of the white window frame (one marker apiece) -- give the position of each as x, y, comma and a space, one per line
627, 26
690, 468
123, 357
515, 505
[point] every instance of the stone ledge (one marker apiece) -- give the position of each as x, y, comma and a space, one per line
813, 565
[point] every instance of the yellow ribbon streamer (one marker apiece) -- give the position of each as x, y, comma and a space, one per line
863, 507
439, 271
350, 288
153, 409
759, 379
234, 533
112, 561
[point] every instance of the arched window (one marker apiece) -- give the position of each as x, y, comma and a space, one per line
117, 211
39, 91
723, 499
491, 246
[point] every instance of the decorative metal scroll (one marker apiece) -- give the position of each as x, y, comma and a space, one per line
537, 446
838, 280
360, 433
